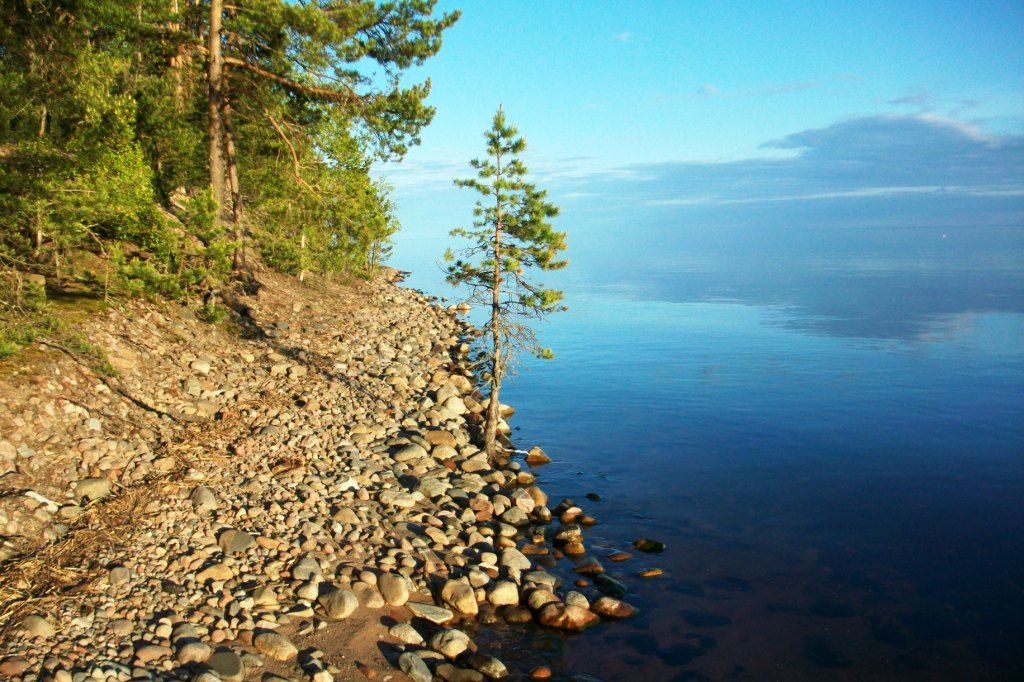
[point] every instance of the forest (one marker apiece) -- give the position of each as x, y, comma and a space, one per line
164, 147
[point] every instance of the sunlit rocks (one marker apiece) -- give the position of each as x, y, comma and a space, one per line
610, 607
567, 617
535, 457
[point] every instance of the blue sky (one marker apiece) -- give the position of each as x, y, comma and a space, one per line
683, 104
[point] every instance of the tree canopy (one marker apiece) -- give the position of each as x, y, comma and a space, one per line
167, 138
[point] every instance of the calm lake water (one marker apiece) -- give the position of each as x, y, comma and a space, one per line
827, 430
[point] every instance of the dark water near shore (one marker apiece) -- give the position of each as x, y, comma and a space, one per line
826, 430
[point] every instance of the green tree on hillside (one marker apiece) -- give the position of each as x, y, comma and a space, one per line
343, 59
118, 145
511, 235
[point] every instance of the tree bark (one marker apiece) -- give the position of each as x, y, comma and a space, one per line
177, 62
215, 91
238, 259
491, 425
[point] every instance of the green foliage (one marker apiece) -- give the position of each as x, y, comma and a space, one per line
26, 316
22, 313
330, 216
103, 136
213, 312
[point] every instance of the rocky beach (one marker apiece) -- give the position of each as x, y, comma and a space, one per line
294, 493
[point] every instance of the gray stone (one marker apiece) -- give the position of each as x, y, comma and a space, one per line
404, 632
227, 664
435, 614
409, 452
574, 598
148, 653
203, 499
504, 593
118, 575
515, 516
305, 568
339, 603
193, 652
460, 596
347, 516
451, 642
488, 665
275, 646
413, 666
394, 588
234, 541
368, 595
513, 558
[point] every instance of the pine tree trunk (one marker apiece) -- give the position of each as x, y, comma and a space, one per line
238, 261
491, 424
177, 62
215, 83
38, 237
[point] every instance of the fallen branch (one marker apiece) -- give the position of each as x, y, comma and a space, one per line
111, 383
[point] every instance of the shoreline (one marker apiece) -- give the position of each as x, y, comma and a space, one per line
319, 477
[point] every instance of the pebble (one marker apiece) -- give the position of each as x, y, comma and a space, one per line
334, 498
460, 597
12, 666
649, 546
233, 541
203, 499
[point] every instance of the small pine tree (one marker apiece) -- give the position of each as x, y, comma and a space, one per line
512, 234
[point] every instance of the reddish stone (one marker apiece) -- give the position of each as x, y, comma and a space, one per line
567, 617
612, 608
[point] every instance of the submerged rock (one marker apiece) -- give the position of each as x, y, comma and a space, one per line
649, 546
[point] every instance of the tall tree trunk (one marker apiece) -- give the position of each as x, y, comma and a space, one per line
37, 238
238, 260
177, 61
491, 425
215, 88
